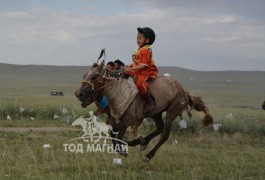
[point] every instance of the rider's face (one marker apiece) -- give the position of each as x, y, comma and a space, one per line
141, 40
117, 66
109, 67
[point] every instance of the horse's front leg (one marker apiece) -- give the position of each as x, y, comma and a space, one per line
120, 149
143, 141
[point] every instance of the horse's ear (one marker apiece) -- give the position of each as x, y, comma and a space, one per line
94, 65
101, 65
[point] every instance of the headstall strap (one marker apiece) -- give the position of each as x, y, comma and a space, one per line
101, 81
88, 82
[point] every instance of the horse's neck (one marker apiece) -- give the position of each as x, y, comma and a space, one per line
119, 95
113, 91
99, 97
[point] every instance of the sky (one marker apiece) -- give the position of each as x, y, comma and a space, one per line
203, 35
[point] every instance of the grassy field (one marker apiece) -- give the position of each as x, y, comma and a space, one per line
235, 151
205, 155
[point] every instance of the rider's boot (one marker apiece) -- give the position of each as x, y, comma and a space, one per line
149, 104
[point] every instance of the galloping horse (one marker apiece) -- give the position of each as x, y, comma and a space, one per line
169, 94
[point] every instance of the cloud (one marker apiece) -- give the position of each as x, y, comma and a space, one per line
92, 8
187, 33
237, 7
16, 15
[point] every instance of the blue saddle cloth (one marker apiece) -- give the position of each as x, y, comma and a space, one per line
103, 102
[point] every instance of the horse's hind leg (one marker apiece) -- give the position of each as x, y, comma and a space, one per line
164, 136
159, 128
172, 113
134, 129
144, 141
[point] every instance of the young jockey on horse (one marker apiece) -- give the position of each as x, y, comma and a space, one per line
118, 65
144, 67
110, 66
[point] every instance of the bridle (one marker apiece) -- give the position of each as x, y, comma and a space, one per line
92, 84
101, 81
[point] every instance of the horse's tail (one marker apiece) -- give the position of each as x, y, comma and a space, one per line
196, 102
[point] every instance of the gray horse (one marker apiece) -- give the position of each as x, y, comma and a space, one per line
167, 91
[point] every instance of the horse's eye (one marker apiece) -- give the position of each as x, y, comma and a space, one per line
94, 77
84, 76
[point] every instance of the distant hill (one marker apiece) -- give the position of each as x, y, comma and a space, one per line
40, 75
225, 80
43, 74
206, 83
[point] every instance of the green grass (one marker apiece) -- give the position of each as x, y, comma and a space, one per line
39, 105
207, 156
236, 151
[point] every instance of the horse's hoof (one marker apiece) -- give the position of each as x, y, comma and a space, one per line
123, 154
142, 140
143, 147
146, 159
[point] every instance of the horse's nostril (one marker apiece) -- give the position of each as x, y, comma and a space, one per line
77, 94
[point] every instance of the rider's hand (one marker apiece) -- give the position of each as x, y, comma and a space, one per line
128, 70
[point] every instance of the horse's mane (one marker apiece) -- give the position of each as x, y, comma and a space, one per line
112, 74
94, 65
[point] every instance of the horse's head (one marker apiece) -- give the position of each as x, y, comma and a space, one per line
92, 81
